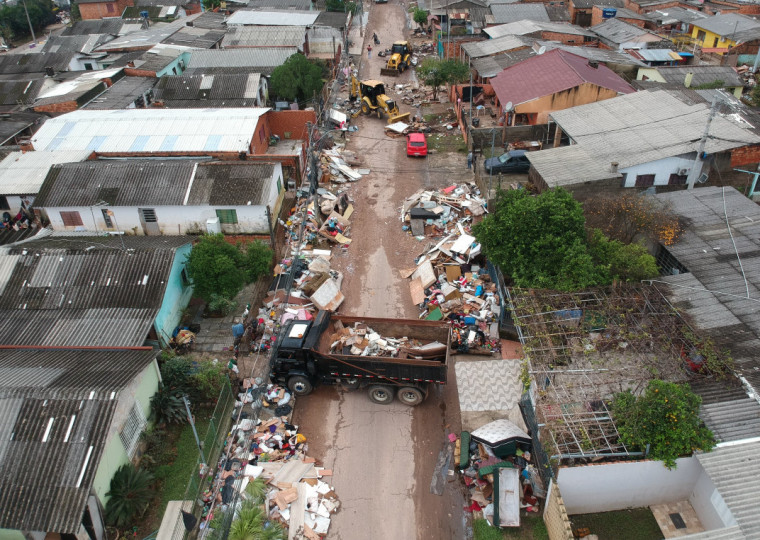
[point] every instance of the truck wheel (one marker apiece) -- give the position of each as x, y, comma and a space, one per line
381, 394
365, 108
300, 385
409, 395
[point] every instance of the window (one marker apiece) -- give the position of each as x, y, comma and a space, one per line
110, 8
701, 35
677, 179
644, 180
71, 219
228, 217
715, 43
133, 428
107, 218
148, 215
88, 67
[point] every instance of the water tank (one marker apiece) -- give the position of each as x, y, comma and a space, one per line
609, 13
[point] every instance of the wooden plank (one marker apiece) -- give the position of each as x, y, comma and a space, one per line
297, 514
453, 272
417, 291
426, 274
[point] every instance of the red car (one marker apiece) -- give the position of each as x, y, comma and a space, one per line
416, 145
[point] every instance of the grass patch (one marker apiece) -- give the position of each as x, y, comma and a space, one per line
175, 474
445, 143
532, 527
634, 524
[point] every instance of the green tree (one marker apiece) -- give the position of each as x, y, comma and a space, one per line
215, 267
342, 5
211, 5
258, 259
435, 72
420, 16
298, 79
539, 241
13, 18
129, 494
625, 262
666, 418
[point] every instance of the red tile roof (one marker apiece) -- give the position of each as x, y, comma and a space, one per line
552, 72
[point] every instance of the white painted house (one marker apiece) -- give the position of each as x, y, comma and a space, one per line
162, 197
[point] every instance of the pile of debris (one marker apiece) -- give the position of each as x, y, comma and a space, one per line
336, 166
496, 467
361, 340
436, 213
266, 465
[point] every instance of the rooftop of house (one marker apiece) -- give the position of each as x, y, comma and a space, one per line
122, 94
727, 24
35, 62
625, 13
262, 59
588, 4
57, 407
331, 18
22, 91
11, 124
303, 5
593, 53
267, 36
145, 39
674, 15
701, 75
655, 55
177, 91
115, 27
284, 17
552, 72
211, 20
83, 290
142, 131
617, 31
523, 27
22, 173
507, 13
490, 66
75, 43
557, 13
163, 183
197, 38
488, 47
85, 85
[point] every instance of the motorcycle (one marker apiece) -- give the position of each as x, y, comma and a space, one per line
377, 40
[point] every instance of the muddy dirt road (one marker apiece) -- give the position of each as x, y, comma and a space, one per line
383, 457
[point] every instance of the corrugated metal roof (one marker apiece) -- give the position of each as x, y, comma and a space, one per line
490, 66
22, 173
16, 122
262, 59
122, 94
273, 18
275, 36
507, 13
231, 184
212, 20
588, 4
77, 43
557, 13
647, 126
592, 53
191, 36
118, 183
657, 55
569, 165
675, 14
34, 62
489, 47
56, 408
230, 130
183, 90
13, 93
83, 290
701, 74
552, 72
97, 26
145, 39
616, 31
523, 27
726, 24
735, 471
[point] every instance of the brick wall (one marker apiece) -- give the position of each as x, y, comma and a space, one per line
100, 10
567, 39
135, 72
596, 18
293, 122
555, 516
745, 155
58, 108
746, 9
453, 49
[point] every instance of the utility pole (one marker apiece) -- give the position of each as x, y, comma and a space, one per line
696, 169
29, 20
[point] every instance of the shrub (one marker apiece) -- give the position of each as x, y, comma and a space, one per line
626, 262
258, 259
221, 305
207, 380
129, 494
167, 406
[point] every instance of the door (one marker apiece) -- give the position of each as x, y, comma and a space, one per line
149, 221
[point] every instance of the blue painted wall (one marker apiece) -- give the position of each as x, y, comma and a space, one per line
177, 64
176, 297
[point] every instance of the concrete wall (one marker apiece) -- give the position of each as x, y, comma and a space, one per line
617, 486
176, 297
662, 169
11, 534
709, 504
139, 391
14, 203
579, 95
172, 220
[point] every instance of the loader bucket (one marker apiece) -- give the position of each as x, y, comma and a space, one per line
390, 72
399, 118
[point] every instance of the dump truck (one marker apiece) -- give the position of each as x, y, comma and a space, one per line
388, 357
399, 59
374, 100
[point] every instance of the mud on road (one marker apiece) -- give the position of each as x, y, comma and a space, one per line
383, 456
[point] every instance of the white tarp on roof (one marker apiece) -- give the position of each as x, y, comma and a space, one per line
273, 18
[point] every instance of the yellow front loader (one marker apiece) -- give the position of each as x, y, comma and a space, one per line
373, 100
399, 59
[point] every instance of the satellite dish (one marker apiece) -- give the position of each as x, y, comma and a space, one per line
541, 49
702, 178
508, 106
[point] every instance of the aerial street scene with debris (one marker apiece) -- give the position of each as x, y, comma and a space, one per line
379, 269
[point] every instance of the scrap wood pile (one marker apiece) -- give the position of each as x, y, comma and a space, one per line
437, 213
361, 340
338, 165
329, 224
495, 462
267, 467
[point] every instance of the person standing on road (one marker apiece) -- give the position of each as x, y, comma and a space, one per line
369, 51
